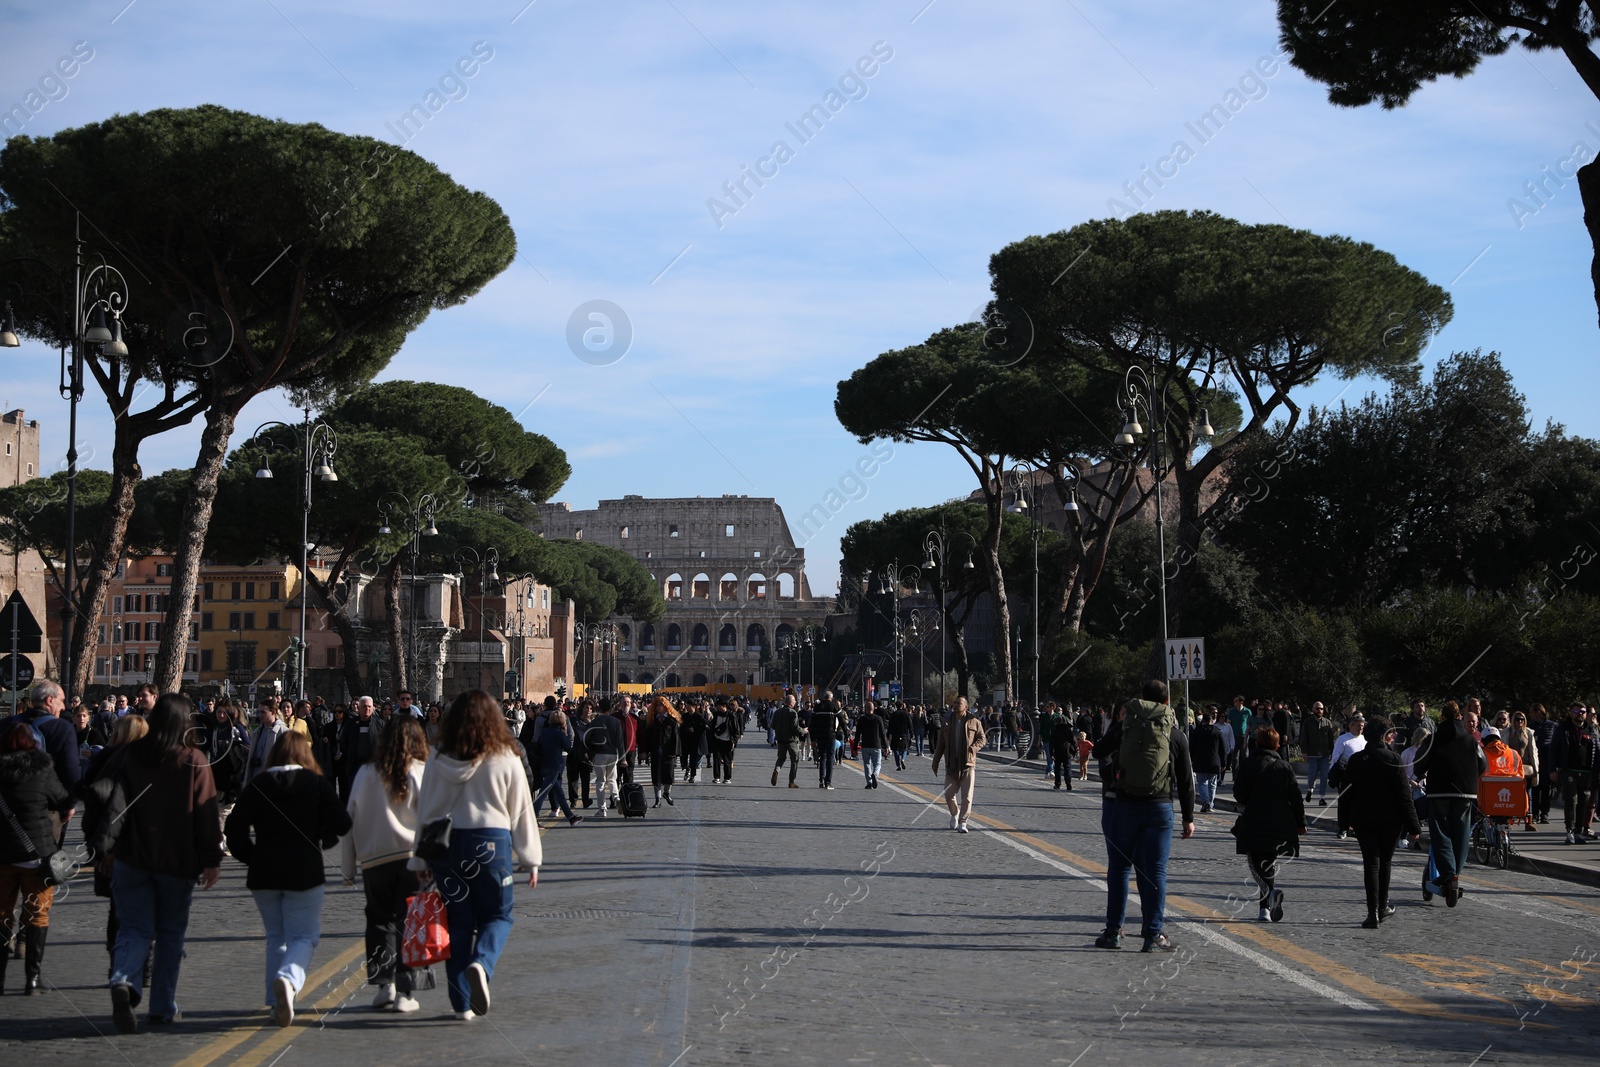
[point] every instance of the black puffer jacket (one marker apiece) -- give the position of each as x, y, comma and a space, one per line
32, 791
1376, 799
1272, 813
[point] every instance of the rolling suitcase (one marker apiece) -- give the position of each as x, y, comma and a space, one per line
633, 805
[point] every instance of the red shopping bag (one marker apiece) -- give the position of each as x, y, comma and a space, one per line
427, 936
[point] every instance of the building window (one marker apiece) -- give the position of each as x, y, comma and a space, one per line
649, 554
333, 656
249, 590
249, 620
702, 637
672, 530
674, 637
206, 659
116, 605
163, 570
207, 620
100, 633
122, 570
133, 603
130, 661
208, 591
578, 536
235, 620
757, 554
647, 638
100, 664
235, 591
194, 631
623, 533
30, 468
116, 633
273, 587
152, 631
674, 587
544, 598
272, 620
701, 590
191, 663
727, 529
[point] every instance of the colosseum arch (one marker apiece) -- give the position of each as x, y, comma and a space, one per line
728, 587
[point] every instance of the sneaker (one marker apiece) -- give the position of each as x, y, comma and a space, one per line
794, 785
405, 1005
961, 828
575, 820
478, 988
954, 822
122, 1008
164, 1020
668, 798
1532, 829
828, 786
1109, 939
1369, 923
282, 1001
1308, 796
466, 1016
1159, 943
1386, 912
1570, 840
1452, 893
774, 776
385, 997
1275, 905
1344, 835
1265, 916
1322, 803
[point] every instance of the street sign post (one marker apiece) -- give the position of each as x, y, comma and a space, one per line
1186, 661
17, 622
16, 672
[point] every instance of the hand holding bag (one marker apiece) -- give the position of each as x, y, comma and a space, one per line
427, 935
57, 867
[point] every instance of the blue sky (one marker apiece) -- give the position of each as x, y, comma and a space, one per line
603, 129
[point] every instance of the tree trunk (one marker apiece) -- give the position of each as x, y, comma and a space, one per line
1589, 189
191, 548
108, 548
391, 603
997, 582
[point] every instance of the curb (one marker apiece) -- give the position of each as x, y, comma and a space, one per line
1325, 818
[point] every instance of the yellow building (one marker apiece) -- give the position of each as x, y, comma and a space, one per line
247, 617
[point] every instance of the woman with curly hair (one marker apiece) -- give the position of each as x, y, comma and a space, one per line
477, 781
383, 811
661, 734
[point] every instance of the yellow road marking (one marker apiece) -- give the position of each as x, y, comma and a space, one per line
1278, 946
219, 1046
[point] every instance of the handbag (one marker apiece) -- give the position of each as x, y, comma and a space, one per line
57, 867
434, 841
427, 934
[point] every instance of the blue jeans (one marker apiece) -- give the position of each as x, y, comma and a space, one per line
150, 907
1449, 826
1138, 836
825, 764
1205, 789
1317, 768
293, 922
872, 762
476, 881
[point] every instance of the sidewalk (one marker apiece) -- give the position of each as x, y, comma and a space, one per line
1539, 853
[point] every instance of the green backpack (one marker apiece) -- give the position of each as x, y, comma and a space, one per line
1144, 759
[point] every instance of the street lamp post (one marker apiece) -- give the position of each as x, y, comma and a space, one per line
321, 442
1025, 501
1140, 394
487, 564
90, 320
891, 580
421, 525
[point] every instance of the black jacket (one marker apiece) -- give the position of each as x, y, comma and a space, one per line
824, 726
1272, 812
1376, 799
1206, 749
32, 791
60, 743
692, 734
662, 737
899, 727
724, 726
602, 736
1452, 759
870, 731
294, 814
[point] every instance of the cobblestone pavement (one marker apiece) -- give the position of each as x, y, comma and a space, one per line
751, 924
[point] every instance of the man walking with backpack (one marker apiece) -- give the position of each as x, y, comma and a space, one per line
603, 739
724, 735
1149, 763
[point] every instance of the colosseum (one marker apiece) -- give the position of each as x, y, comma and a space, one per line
733, 579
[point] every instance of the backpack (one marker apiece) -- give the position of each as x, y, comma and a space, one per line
1144, 758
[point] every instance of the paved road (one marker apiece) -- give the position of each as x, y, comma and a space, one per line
752, 924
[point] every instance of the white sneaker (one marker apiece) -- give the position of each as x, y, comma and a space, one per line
282, 1001
1265, 916
385, 997
1571, 840
466, 1016
961, 828
404, 1004
478, 988
954, 822
601, 813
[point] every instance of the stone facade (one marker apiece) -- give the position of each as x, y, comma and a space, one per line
19, 463
733, 579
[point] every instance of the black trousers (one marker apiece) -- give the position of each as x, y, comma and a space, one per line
575, 773
1377, 860
387, 886
721, 759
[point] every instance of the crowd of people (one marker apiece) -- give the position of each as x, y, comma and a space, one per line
450, 796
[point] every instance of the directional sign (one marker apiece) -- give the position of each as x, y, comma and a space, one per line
15, 617
24, 670
894, 689
1186, 659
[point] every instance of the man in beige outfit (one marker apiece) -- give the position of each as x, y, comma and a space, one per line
959, 741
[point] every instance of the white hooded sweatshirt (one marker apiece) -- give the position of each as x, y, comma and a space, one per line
490, 793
